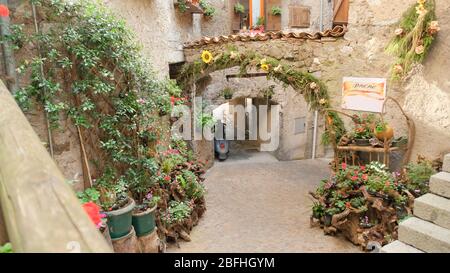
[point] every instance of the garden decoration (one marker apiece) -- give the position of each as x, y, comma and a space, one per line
89, 73
379, 135
314, 90
414, 37
365, 203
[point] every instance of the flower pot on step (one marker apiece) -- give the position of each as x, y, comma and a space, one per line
119, 221
144, 222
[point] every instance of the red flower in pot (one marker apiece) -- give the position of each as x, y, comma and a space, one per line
93, 211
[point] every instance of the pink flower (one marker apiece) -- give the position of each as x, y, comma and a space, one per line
167, 178
141, 101
344, 166
365, 177
354, 178
363, 168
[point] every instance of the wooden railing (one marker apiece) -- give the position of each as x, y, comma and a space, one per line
40, 211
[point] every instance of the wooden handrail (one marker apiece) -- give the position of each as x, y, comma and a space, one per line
40, 210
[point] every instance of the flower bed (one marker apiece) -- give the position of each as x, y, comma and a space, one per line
366, 203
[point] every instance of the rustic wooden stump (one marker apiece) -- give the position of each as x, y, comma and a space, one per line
126, 244
149, 243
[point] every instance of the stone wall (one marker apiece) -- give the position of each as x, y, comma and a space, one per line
425, 96
162, 29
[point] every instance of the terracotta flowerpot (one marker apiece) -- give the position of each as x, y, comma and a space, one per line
387, 134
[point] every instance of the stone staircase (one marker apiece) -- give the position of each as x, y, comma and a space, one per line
429, 229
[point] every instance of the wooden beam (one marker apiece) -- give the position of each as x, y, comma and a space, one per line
41, 211
248, 75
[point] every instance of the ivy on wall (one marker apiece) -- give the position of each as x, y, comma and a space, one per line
313, 90
414, 37
90, 69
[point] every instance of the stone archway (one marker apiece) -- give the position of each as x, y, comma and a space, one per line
313, 90
294, 113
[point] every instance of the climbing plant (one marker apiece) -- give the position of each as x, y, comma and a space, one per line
89, 68
414, 37
313, 90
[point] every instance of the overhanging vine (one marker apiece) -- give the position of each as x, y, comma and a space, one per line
313, 90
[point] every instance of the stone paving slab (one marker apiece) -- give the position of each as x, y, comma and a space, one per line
262, 207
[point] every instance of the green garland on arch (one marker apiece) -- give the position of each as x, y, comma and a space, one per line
313, 90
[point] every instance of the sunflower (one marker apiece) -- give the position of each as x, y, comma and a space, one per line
207, 57
265, 67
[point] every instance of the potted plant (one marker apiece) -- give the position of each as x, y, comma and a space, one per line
276, 11
115, 202
227, 93
144, 215
208, 9
239, 8
363, 129
383, 131
260, 23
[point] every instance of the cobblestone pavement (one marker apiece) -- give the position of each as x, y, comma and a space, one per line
262, 207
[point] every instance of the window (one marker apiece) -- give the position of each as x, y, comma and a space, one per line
256, 13
299, 17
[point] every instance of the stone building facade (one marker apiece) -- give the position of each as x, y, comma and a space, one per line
163, 29
425, 95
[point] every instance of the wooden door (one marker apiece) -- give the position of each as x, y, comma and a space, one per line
273, 22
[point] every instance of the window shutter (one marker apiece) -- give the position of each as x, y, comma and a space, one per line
299, 16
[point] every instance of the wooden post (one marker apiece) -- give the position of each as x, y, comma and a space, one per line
41, 211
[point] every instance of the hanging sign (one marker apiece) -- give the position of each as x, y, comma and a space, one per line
364, 94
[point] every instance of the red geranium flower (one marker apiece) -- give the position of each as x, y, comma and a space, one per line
4, 11
344, 166
363, 168
93, 212
365, 177
354, 178
167, 178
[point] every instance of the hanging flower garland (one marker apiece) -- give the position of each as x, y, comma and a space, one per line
314, 91
414, 37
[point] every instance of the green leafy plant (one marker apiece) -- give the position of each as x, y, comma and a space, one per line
208, 9
313, 90
96, 76
89, 195
417, 176
7, 248
239, 8
176, 212
276, 11
364, 126
227, 93
260, 21
318, 210
182, 5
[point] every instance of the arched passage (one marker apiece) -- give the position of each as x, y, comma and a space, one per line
314, 91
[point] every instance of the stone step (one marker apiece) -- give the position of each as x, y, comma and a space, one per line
424, 235
446, 166
440, 184
433, 208
399, 247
